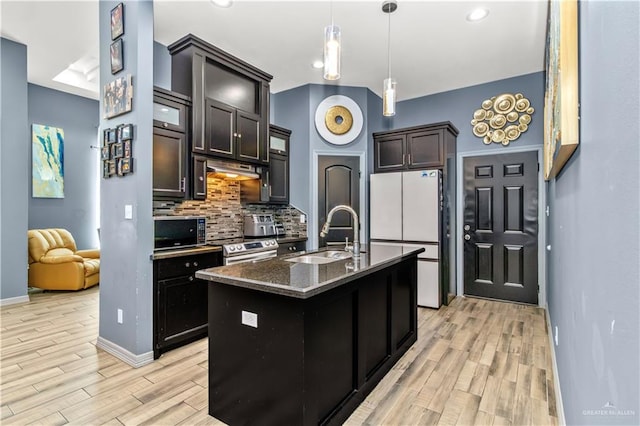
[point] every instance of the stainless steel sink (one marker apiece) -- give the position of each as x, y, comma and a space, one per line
321, 257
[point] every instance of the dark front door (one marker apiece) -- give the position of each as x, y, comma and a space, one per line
501, 227
338, 183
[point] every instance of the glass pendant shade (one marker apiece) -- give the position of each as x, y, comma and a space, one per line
389, 97
331, 52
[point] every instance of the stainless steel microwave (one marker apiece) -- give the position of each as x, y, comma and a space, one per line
173, 232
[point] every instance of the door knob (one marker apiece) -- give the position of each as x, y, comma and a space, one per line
467, 227
467, 237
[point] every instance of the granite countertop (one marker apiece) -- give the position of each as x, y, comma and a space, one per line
302, 280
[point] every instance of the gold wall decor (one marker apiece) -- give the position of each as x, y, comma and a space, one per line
561, 103
502, 118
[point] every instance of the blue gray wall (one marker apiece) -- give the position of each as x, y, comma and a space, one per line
126, 279
15, 171
78, 210
593, 264
161, 66
457, 106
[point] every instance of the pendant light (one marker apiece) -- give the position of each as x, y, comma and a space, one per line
331, 50
389, 84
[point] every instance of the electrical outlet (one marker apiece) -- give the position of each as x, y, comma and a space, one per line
303, 218
250, 319
120, 320
128, 211
555, 335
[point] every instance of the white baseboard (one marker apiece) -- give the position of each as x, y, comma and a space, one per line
132, 359
14, 300
556, 377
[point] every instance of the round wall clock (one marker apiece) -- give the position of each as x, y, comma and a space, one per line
339, 119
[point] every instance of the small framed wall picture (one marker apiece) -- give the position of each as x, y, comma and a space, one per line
105, 170
109, 136
117, 21
127, 149
119, 150
116, 55
104, 154
125, 166
112, 167
125, 132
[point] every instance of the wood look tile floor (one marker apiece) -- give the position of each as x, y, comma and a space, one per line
476, 362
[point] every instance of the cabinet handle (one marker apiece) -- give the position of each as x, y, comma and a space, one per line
269, 190
183, 184
201, 178
195, 263
191, 278
409, 162
165, 124
403, 159
239, 135
187, 264
235, 135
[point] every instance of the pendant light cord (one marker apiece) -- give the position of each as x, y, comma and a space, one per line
389, 43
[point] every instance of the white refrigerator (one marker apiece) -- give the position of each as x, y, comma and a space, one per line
405, 209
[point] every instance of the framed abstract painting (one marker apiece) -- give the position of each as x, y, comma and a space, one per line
47, 153
561, 101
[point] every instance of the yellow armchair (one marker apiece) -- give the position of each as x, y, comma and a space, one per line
56, 264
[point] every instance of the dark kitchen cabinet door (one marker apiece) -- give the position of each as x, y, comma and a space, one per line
199, 184
220, 129
279, 179
180, 300
425, 149
389, 153
182, 306
248, 136
169, 164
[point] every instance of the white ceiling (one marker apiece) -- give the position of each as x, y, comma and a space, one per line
433, 47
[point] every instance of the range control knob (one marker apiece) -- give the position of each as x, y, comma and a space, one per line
232, 248
239, 247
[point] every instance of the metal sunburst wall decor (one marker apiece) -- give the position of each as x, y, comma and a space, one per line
502, 118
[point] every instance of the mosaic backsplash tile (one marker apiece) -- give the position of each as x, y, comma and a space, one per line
225, 214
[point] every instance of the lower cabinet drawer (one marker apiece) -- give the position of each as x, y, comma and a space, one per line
185, 265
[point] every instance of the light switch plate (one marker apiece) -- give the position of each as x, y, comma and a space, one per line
128, 211
250, 319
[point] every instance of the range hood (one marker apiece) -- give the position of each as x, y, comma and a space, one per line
229, 170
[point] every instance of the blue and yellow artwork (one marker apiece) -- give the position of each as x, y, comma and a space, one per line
48, 161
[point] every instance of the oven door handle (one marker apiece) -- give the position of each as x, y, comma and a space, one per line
252, 257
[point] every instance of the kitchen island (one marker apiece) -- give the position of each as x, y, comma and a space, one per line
301, 340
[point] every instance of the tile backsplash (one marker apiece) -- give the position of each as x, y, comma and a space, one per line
225, 214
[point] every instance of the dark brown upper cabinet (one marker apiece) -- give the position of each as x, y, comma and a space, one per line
420, 147
279, 165
170, 139
230, 101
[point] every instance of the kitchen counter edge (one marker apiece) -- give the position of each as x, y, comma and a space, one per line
305, 293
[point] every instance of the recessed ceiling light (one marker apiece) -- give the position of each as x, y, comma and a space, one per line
478, 15
222, 3
317, 64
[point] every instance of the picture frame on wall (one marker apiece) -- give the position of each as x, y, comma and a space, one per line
561, 99
117, 21
118, 96
105, 170
125, 132
104, 153
116, 55
109, 136
125, 166
127, 149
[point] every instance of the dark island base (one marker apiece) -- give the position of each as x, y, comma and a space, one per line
309, 361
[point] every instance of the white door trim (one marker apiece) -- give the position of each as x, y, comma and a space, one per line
312, 224
542, 223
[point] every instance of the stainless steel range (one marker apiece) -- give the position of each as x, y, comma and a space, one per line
249, 251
